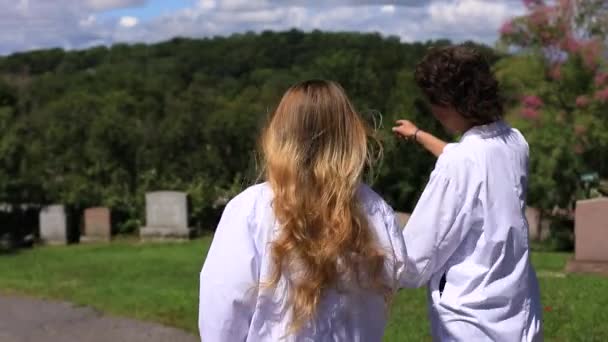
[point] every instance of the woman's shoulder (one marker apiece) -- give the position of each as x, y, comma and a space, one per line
251, 197
261, 196
250, 208
459, 153
371, 201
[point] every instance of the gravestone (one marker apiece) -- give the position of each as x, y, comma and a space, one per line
54, 225
166, 216
402, 218
591, 237
97, 225
538, 228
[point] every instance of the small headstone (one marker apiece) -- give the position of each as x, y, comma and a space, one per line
591, 237
97, 225
166, 216
402, 218
591, 230
53, 225
538, 228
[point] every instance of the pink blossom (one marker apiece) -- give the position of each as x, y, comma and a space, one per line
532, 101
530, 113
567, 9
590, 52
582, 101
570, 44
507, 28
539, 17
602, 95
601, 78
565, 4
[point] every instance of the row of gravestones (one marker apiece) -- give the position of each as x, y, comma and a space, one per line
166, 218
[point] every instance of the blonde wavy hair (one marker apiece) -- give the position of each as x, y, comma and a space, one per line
315, 150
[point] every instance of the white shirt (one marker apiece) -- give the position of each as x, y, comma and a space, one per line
470, 226
232, 307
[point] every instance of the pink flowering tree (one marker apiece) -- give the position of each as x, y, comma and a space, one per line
556, 81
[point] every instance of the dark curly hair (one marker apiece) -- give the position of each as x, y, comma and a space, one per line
460, 77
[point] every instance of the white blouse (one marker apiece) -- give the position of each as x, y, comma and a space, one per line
469, 226
233, 308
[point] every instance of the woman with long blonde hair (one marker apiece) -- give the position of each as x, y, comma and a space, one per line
311, 254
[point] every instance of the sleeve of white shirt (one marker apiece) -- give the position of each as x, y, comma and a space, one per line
398, 256
440, 222
229, 278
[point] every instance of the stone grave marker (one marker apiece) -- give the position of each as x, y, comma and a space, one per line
591, 237
166, 216
54, 225
97, 225
538, 228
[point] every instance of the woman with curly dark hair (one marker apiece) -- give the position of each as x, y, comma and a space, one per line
468, 235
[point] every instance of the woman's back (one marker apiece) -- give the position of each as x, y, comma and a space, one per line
255, 313
309, 255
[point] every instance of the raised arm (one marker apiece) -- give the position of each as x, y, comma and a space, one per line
409, 131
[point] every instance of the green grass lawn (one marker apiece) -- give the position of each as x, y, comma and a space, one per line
159, 282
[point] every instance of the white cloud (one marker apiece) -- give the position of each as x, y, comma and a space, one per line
104, 5
88, 21
388, 9
410, 19
479, 19
207, 4
128, 21
23, 6
243, 5
466, 12
27, 24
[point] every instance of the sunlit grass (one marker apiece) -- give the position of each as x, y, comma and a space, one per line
159, 282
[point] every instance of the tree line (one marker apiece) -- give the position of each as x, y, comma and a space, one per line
104, 125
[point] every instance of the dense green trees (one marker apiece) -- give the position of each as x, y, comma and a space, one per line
102, 126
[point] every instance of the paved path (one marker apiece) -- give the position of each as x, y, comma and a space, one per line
34, 320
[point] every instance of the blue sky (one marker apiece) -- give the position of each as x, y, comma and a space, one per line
150, 10
74, 24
